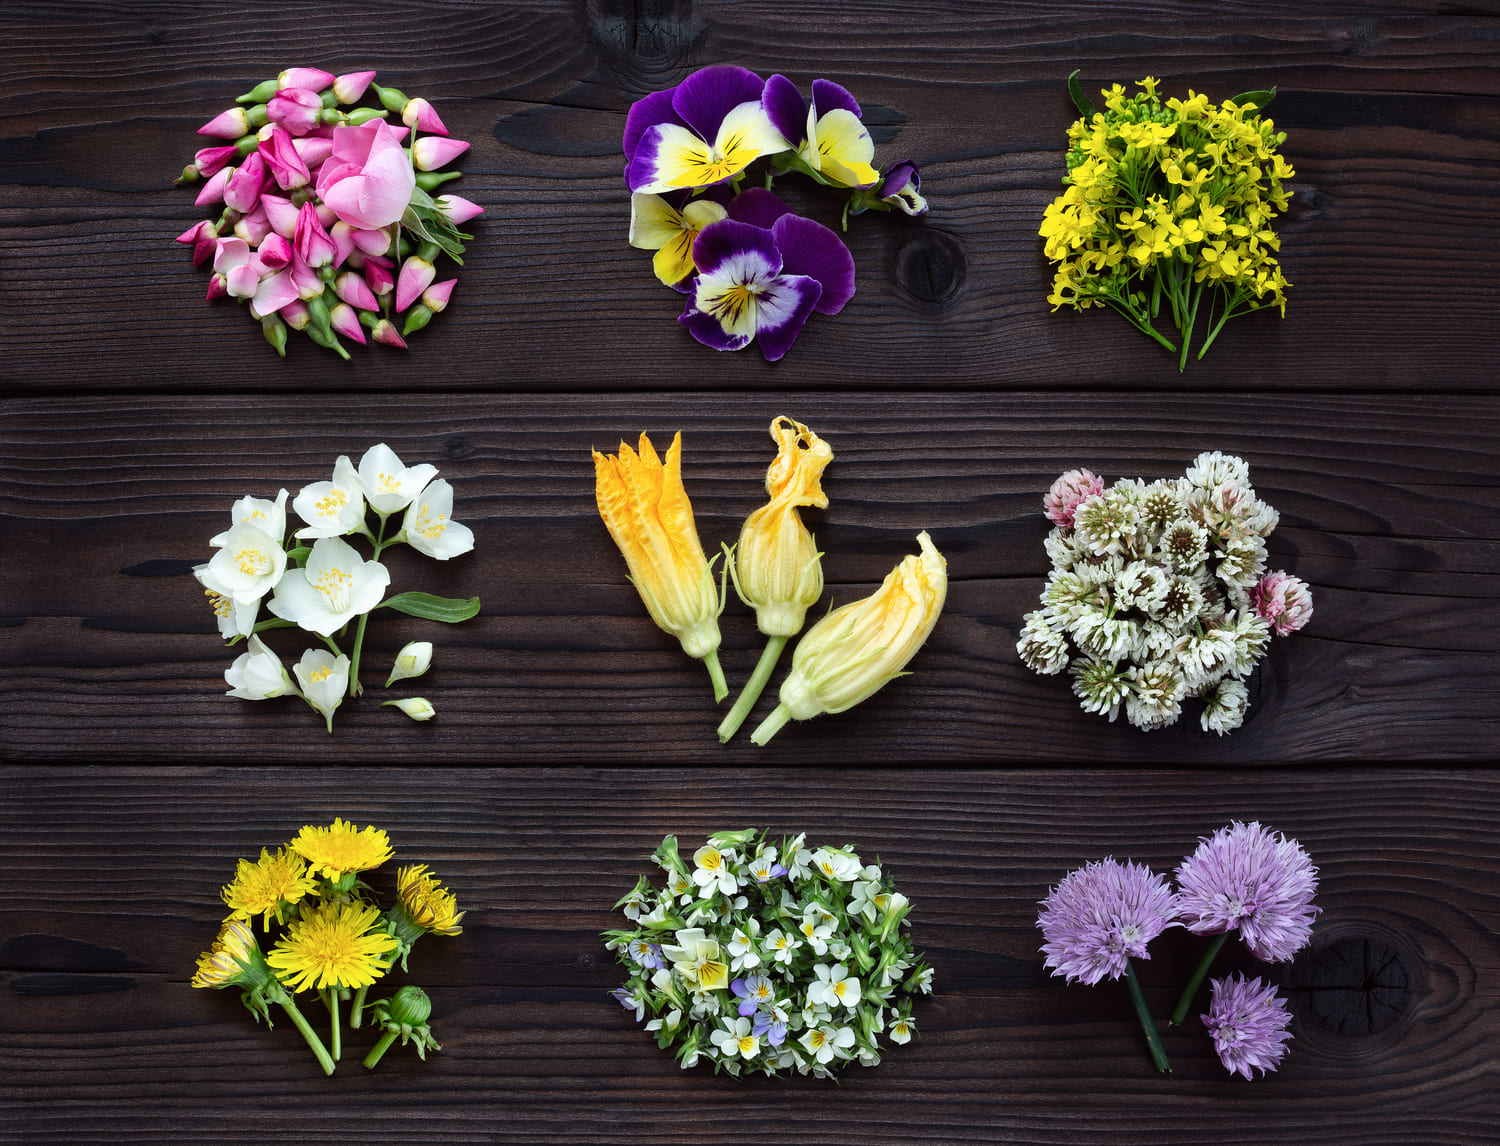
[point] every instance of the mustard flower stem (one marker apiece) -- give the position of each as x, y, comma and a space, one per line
1148, 1024
753, 688
771, 725
1196, 980
325, 1060
379, 1049
716, 674
1187, 331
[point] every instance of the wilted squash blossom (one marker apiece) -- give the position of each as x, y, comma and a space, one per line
776, 567
854, 650
647, 512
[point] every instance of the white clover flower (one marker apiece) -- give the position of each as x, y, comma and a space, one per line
1251, 635
428, 526
1243, 562
1224, 708
1185, 544
1043, 645
335, 585
387, 483
1063, 549
332, 508
324, 679
1100, 685
1204, 657
1141, 585
1155, 698
246, 567
1212, 469
258, 674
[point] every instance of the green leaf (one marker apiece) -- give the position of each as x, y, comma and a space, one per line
1257, 99
425, 219
1082, 102
299, 555
450, 610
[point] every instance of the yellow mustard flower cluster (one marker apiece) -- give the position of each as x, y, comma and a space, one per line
333, 939
1169, 199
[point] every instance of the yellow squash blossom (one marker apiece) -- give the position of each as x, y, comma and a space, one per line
856, 649
647, 512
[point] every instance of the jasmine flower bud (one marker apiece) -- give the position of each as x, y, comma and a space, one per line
413, 660
416, 707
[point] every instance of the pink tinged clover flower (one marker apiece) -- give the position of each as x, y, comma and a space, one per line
1284, 602
1248, 1021
367, 181
1243, 878
704, 131
826, 133
1068, 492
1101, 916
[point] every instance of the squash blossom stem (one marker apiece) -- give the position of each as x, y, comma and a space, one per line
753, 688
1196, 981
771, 725
716, 675
1148, 1024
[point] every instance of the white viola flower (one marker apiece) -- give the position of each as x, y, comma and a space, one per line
334, 586
862, 899
741, 946
836, 865
834, 986
711, 873
923, 981
668, 1022
783, 947
428, 526
801, 858
233, 618
324, 679
258, 674
413, 660
247, 566
387, 483
696, 958
332, 508
816, 932
734, 1038
869, 1056
269, 516
824, 1042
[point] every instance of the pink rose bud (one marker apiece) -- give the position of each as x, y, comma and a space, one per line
350, 286
418, 113
295, 314
295, 109
458, 209
244, 187
274, 252
213, 190
254, 226
385, 333
378, 274
350, 86
314, 244
367, 181
314, 149
309, 283
437, 295
416, 276
344, 320
272, 294
229, 124
343, 241
433, 151
281, 213
313, 79
282, 159
372, 242
210, 160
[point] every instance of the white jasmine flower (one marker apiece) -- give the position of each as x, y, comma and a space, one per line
246, 567
335, 585
1224, 708
268, 516
258, 674
413, 660
387, 483
233, 618
332, 508
324, 679
416, 707
428, 527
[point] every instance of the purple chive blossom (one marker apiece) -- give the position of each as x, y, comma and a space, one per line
1245, 878
1102, 915
1248, 1021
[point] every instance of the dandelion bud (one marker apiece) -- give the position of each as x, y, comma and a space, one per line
416, 707
410, 1006
412, 661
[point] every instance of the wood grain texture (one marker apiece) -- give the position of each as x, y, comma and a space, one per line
108, 892
1395, 528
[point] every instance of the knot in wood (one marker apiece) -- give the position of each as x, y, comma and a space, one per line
644, 45
1354, 984
929, 265
457, 447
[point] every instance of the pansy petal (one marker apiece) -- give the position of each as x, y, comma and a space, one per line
666, 158
654, 222
845, 149
742, 244
782, 310
745, 135
645, 114
809, 248
785, 109
673, 261
827, 95
706, 329
706, 97
758, 207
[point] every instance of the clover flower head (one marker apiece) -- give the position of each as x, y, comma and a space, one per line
1248, 1021
1283, 601
1067, 493
1102, 915
1245, 878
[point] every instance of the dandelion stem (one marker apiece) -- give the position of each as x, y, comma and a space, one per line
771, 725
753, 688
1148, 1024
331, 1001
1196, 981
379, 1049
357, 1008
716, 674
325, 1060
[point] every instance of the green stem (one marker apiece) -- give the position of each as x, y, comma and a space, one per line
1148, 1024
771, 725
753, 688
716, 674
325, 1060
331, 1001
355, 688
379, 1049
1137, 322
1187, 331
1186, 1001
357, 1008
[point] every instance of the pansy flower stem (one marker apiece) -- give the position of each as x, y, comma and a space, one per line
325, 1060
1148, 1024
1199, 973
753, 688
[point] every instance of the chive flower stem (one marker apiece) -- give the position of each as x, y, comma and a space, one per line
1196, 981
1148, 1024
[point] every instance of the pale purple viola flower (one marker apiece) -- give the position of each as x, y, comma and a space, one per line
771, 1024
1248, 1021
754, 992
1101, 916
826, 132
1284, 602
1244, 878
1068, 492
704, 131
760, 284
295, 109
630, 1001
647, 954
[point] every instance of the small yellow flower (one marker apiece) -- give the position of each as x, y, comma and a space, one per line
776, 568
230, 960
648, 514
854, 650
426, 902
332, 945
267, 887
341, 848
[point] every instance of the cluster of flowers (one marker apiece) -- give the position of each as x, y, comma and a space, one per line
1171, 199
844, 658
1163, 589
753, 943
332, 937
1242, 879
321, 202
752, 269
324, 587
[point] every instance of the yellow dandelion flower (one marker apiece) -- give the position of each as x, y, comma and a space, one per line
267, 887
426, 902
231, 958
338, 849
332, 945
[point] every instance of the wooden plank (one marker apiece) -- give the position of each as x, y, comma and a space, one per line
1390, 509
109, 891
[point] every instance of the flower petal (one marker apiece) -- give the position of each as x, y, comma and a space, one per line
786, 109
781, 312
706, 97
751, 250
706, 329
809, 248
645, 114
827, 95
758, 207
845, 149
653, 222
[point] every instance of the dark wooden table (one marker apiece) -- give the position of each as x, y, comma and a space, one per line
132, 414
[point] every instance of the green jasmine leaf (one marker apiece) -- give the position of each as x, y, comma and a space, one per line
1082, 102
450, 610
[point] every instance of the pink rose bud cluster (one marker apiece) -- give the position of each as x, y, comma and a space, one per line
327, 223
